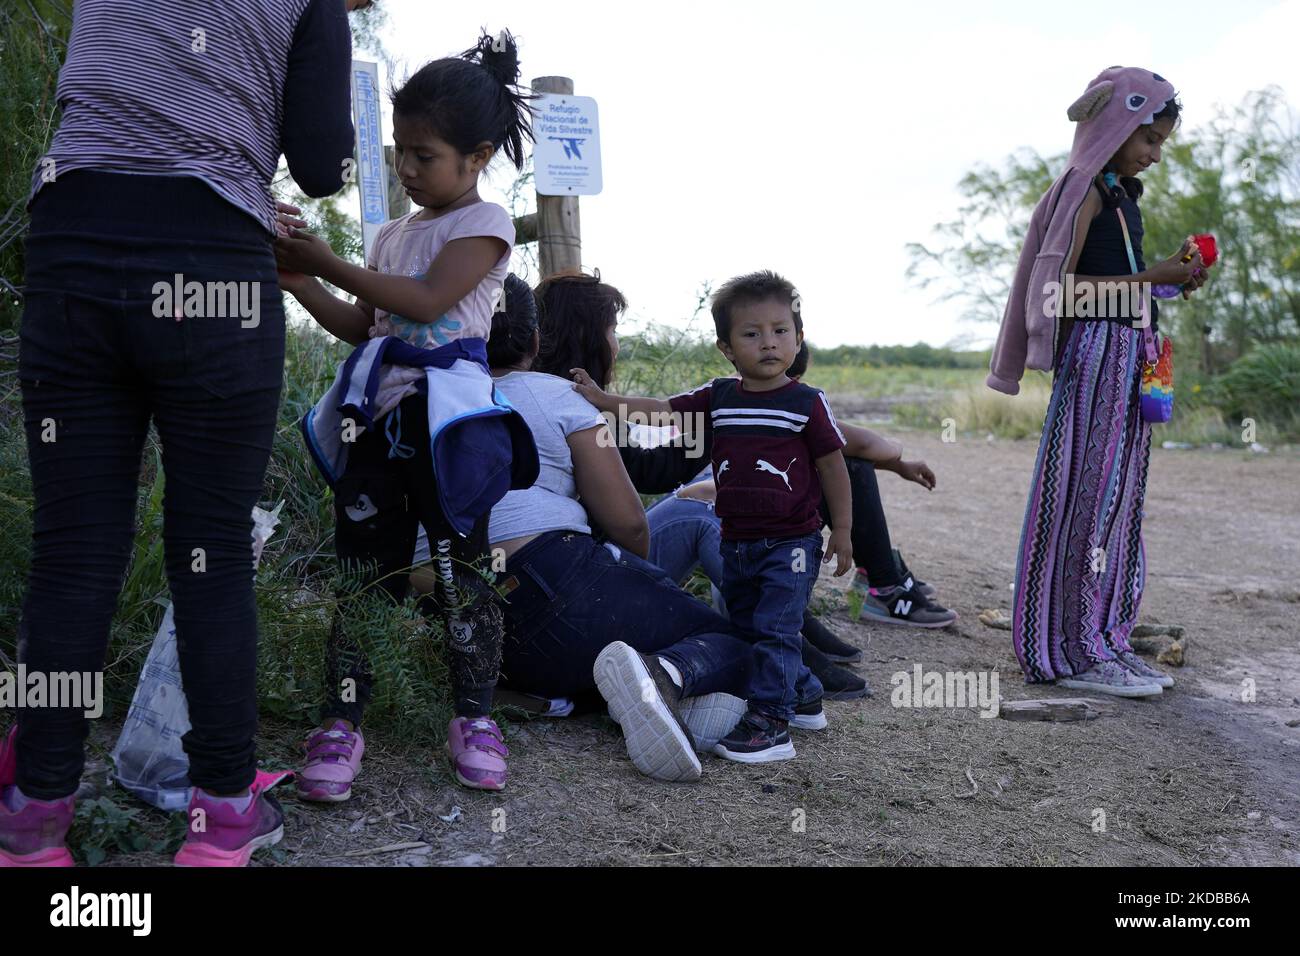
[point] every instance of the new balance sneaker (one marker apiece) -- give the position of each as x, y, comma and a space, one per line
809, 716
819, 636
757, 739
838, 683
32, 832
1142, 669
219, 834
905, 605
711, 717
904, 573
333, 762
645, 702
862, 583
1113, 678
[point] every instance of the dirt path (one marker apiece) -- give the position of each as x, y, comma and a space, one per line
1195, 777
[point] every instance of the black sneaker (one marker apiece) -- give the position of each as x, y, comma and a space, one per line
838, 683
905, 606
809, 716
819, 636
756, 739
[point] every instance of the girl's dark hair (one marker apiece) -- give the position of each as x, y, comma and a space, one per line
472, 98
576, 312
749, 289
513, 326
1172, 110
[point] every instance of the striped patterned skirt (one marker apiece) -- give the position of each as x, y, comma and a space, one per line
1081, 567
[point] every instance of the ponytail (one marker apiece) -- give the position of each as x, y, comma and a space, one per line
473, 98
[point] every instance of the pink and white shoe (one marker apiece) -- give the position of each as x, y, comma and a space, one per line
220, 835
333, 762
478, 753
35, 833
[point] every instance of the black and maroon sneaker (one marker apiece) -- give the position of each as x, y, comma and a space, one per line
757, 739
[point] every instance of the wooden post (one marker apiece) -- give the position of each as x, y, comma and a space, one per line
399, 204
558, 228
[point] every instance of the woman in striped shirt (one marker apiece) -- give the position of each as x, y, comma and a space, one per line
151, 295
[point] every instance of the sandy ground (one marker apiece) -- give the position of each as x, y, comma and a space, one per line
1196, 777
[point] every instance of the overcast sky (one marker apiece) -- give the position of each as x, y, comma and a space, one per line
818, 137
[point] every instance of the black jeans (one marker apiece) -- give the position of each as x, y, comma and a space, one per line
97, 364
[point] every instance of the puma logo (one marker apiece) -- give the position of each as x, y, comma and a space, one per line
773, 470
725, 465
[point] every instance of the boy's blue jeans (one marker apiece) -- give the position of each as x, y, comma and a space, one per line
767, 585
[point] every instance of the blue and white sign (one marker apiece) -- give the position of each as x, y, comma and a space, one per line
566, 151
372, 177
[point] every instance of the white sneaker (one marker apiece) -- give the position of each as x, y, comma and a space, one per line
645, 705
1113, 678
710, 718
1140, 667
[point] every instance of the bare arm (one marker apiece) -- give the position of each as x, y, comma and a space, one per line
839, 498
454, 273
606, 491
343, 320
864, 443
605, 401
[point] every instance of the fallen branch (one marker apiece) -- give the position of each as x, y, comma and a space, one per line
391, 848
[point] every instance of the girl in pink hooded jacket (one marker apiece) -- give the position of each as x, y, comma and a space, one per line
1081, 567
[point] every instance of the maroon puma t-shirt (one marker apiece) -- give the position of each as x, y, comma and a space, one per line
765, 451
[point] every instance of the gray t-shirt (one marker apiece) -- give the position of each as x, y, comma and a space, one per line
554, 411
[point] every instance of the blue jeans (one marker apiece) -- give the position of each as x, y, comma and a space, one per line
567, 598
684, 533
767, 585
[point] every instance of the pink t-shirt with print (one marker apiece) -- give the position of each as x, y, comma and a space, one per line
407, 246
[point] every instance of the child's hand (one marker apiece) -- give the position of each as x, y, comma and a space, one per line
841, 548
585, 386
381, 328
919, 472
286, 218
293, 282
1180, 267
302, 252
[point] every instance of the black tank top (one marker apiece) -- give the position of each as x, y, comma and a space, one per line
1104, 253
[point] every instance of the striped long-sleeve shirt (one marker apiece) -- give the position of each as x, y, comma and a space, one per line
214, 90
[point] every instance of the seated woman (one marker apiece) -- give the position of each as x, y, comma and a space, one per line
567, 596
578, 320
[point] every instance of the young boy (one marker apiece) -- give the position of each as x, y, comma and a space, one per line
776, 449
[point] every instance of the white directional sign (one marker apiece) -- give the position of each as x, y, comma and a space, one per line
566, 154
372, 177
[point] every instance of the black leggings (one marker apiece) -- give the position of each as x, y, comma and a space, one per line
96, 366
386, 493
872, 548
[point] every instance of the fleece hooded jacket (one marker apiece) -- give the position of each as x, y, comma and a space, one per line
1115, 104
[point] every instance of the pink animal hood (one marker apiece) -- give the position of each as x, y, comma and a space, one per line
1115, 104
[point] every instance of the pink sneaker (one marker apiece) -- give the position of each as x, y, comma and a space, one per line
333, 762
478, 753
219, 835
36, 834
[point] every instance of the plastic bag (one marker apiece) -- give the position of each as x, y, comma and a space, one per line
149, 759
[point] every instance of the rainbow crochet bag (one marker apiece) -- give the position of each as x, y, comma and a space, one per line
1157, 389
